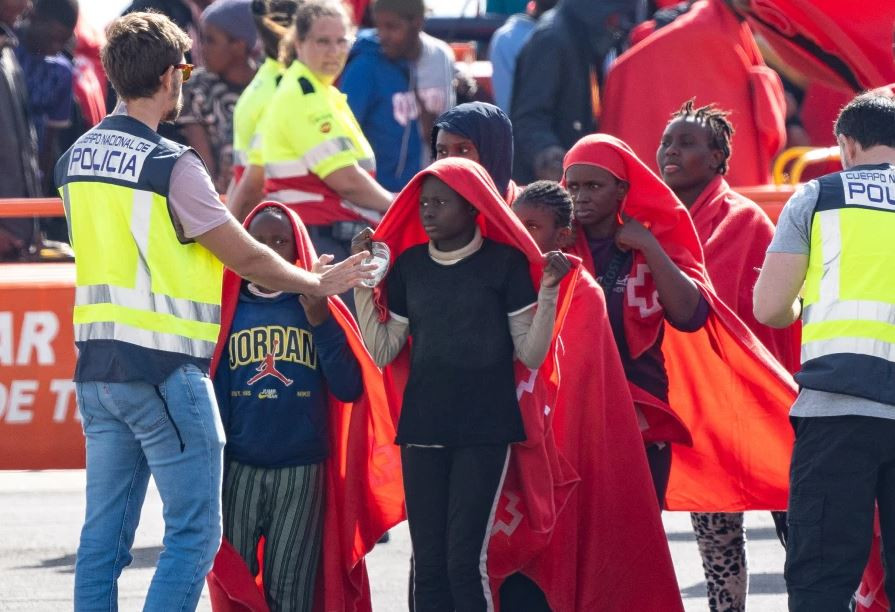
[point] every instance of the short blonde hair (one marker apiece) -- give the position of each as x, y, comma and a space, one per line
307, 13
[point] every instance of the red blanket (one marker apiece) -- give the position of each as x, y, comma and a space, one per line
829, 40
358, 10
710, 55
871, 595
539, 480
609, 540
89, 84
364, 491
741, 449
735, 234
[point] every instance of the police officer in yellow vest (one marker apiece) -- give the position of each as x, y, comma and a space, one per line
149, 235
836, 236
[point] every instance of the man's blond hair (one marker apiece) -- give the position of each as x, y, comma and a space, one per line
139, 48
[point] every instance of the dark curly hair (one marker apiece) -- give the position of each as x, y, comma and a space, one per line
869, 119
552, 196
715, 120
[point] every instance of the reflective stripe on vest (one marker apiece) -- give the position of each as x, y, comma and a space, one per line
121, 332
294, 196
316, 155
134, 299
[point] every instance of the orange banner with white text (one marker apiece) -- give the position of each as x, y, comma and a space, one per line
39, 423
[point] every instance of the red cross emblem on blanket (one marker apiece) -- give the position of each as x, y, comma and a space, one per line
639, 294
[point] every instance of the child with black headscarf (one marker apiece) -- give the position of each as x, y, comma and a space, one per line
480, 132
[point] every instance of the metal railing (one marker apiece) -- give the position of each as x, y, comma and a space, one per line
31, 207
800, 158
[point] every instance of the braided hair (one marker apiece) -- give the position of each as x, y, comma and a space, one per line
550, 195
715, 120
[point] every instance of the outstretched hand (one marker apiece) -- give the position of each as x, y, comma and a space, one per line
345, 275
556, 266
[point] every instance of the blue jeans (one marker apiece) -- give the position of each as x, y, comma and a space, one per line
172, 431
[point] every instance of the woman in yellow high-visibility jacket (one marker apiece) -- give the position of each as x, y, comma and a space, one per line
316, 158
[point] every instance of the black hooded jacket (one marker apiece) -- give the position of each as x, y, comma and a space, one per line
551, 103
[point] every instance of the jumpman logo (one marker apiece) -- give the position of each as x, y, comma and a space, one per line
269, 368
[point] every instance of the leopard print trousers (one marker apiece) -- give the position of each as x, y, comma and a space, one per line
722, 543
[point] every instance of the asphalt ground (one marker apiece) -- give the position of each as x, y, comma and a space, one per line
41, 513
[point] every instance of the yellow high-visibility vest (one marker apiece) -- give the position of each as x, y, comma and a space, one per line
848, 334
250, 109
140, 288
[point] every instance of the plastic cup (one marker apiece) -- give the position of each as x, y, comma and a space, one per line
381, 255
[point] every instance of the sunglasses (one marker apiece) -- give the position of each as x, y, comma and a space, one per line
186, 70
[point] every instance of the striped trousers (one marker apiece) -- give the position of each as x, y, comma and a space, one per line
285, 505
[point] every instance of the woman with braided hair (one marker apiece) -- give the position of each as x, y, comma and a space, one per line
693, 157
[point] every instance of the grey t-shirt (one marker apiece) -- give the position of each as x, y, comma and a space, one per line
193, 199
793, 235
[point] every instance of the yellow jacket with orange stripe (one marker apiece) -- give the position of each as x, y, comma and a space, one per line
307, 133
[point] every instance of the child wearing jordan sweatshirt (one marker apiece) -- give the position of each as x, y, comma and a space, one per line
284, 354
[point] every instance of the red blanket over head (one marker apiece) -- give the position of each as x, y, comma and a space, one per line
735, 234
741, 448
609, 540
539, 480
710, 55
364, 491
